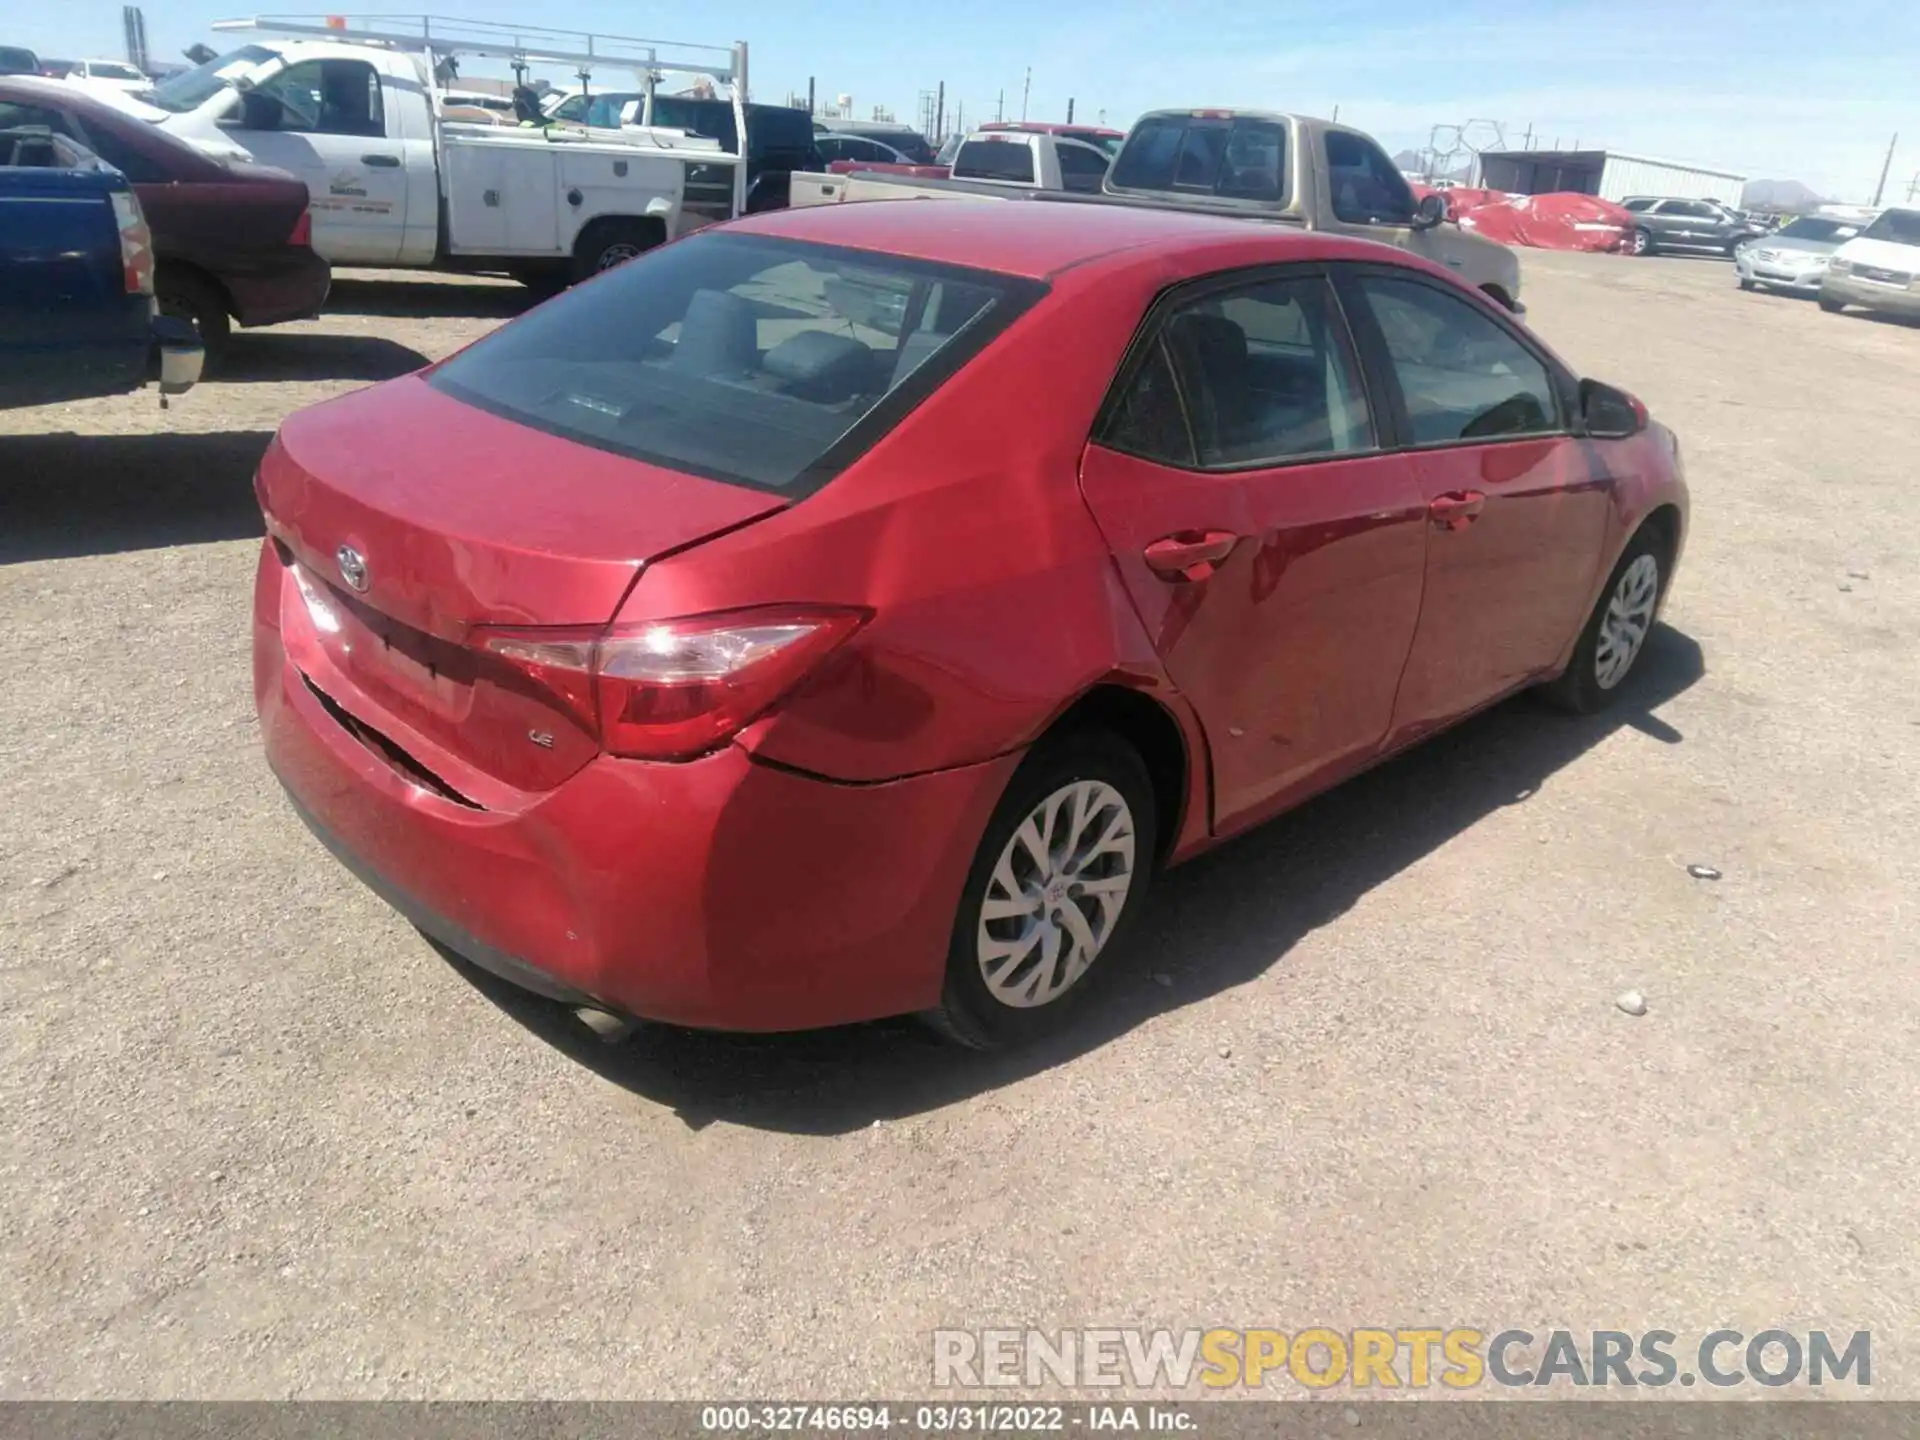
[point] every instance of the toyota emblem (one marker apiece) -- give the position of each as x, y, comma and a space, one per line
353, 569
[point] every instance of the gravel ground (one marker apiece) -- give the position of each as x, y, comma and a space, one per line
264, 1141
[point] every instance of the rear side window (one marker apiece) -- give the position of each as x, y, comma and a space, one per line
1232, 159
1265, 377
124, 158
764, 362
994, 160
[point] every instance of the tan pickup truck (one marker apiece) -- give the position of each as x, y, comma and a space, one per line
1292, 169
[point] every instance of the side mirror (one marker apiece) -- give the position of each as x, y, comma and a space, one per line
1431, 210
1608, 413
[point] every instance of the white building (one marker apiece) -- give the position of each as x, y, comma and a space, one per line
1605, 173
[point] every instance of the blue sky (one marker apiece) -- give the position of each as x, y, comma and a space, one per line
1774, 90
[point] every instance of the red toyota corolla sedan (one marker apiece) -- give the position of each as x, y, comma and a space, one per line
844, 613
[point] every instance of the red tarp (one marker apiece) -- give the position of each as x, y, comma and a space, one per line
1544, 222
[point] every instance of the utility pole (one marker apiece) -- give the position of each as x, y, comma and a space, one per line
1913, 187
1026, 89
810, 108
960, 117
1885, 165
1069, 109
1000, 108
940, 113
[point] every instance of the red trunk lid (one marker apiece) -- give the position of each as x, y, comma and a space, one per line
463, 519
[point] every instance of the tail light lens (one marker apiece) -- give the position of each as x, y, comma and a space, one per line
673, 689
302, 230
136, 243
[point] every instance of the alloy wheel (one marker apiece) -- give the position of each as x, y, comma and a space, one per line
1623, 629
617, 254
1056, 893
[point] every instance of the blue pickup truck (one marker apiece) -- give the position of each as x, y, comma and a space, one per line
77, 316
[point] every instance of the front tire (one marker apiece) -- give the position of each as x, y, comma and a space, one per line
1746, 284
1640, 243
1060, 874
1616, 632
1831, 305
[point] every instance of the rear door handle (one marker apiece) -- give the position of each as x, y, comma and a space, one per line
1457, 509
1190, 555
385, 162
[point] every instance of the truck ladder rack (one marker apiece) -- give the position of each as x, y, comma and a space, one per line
522, 45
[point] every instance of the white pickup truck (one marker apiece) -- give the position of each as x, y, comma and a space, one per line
1253, 164
1000, 159
357, 114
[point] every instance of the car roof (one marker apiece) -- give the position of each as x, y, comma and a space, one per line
1037, 239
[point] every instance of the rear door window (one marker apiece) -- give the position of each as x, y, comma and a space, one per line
1234, 159
1251, 377
764, 362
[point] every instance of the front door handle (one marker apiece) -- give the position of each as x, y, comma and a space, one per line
385, 162
1190, 555
1456, 509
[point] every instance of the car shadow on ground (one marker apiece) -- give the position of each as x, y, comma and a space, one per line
64, 495
1211, 925
280, 356
428, 299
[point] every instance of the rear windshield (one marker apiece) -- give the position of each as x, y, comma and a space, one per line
763, 362
994, 160
1193, 155
1902, 227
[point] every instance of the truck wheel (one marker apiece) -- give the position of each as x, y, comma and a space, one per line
607, 243
1831, 305
187, 296
1640, 243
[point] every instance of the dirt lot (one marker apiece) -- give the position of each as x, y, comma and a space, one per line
264, 1141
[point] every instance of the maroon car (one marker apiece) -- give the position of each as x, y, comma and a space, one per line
232, 239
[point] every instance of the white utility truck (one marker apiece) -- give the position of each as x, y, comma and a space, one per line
356, 109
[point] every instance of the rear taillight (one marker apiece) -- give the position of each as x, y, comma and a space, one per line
136, 243
302, 230
673, 689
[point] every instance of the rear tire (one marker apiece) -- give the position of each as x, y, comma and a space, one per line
1615, 635
187, 296
605, 244
1060, 874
